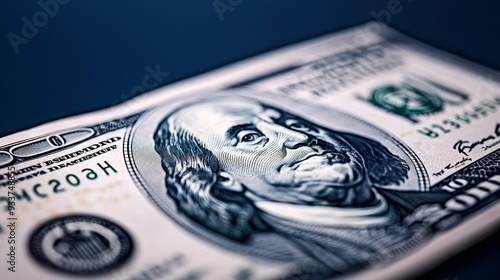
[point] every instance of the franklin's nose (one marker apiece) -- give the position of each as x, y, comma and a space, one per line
295, 139
306, 141
291, 139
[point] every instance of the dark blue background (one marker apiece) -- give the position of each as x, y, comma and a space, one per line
92, 53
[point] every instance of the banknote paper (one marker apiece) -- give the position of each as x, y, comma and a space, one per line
362, 154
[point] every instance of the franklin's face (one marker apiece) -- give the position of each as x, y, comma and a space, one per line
277, 156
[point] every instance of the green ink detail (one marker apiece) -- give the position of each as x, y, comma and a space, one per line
406, 101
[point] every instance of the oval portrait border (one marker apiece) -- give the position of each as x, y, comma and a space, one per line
205, 234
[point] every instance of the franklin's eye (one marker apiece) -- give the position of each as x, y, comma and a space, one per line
297, 125
250, 137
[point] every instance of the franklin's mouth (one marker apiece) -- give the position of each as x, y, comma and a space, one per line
330, 157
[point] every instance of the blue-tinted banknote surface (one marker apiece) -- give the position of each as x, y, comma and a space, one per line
361, 154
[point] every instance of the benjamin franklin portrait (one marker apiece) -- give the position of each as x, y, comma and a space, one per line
260, 176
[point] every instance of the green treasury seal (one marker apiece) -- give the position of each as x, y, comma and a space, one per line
406, 100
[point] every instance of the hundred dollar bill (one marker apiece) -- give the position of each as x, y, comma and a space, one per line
363, 154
